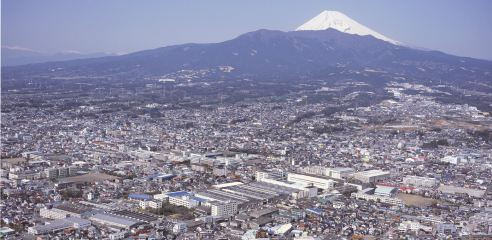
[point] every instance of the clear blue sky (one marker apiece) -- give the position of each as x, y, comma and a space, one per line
462, 28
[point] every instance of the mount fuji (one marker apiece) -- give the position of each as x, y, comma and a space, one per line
342, 23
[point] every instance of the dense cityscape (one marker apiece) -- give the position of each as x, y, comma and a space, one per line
234, 120
407, 167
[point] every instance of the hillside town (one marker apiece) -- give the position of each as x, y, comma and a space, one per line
409, 167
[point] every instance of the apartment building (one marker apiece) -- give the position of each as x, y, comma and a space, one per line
419, 181
223, 208
275, 175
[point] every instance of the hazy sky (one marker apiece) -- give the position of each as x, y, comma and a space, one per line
462, 28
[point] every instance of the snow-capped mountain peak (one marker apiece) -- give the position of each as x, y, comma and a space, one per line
342, 23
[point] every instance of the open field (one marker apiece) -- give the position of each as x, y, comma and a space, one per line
416, 200
90, 177
14, 160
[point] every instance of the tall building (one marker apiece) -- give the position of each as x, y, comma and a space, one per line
51, 173
225, 209
220, 171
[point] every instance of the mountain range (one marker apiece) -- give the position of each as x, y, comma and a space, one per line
329, 43
15, 56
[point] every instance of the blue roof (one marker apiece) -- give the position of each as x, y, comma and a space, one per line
175, 194
139, 196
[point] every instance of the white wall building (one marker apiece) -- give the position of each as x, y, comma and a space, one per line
311, 180
409, 225
371, 175
419, 181
155, 204
180, 227
276, 175
183, 200
117, 235
394, 201
50, 214
340, 173
225, 209
451, 159
445, 228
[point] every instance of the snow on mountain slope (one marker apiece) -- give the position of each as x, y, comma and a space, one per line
342, 23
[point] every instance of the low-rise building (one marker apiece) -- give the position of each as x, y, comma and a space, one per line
60, 224
419, 181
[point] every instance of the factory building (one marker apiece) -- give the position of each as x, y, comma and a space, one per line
311, 180
296, 190
75, 210
223, 196
58, 225
115, 220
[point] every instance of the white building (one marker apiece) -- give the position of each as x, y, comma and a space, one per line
50, 214
155, 204
180, 227
276, 175
409, 225
220, 171
144, 204
371, 175
445, 228
393, 201
283, 230
451, 159
183, 200
223, 208
302, 191
117, 235
311, 180
419, 181
340, 173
